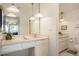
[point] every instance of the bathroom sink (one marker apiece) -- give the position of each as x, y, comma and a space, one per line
23, 38
29, 37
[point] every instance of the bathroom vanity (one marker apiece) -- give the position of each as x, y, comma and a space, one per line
20, 42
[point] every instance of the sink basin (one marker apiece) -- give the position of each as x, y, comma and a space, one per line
29, 37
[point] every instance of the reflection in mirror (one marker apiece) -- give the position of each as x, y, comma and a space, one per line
11, 24
0, 19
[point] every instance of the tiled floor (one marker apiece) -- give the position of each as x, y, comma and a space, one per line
65, 53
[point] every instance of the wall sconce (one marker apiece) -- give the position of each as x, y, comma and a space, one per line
61, 17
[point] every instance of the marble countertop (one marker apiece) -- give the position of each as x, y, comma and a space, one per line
23, 38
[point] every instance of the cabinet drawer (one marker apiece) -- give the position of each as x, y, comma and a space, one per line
28, 44
11, 48
39, 42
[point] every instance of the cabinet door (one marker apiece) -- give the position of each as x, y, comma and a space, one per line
28, 44
41, 48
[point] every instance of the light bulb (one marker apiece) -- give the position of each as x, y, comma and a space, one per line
32, 18
39, 15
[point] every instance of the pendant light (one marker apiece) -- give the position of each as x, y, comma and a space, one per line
11, 15
61, 19
32, 17
13, 9
39, 15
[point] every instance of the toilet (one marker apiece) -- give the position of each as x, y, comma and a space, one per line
73, 45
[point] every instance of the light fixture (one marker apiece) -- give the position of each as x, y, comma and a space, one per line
39, 15
13, 9
61, 19
11, 15
32, 17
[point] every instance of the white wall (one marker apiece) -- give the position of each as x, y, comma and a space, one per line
49, 25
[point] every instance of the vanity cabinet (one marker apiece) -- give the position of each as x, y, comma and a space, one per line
41, 42
10, 48
41, 50
28, 44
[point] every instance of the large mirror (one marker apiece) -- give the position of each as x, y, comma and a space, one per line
11, 24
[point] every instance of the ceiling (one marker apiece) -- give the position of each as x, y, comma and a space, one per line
65, 7
71, 11
21, 7
25, 8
